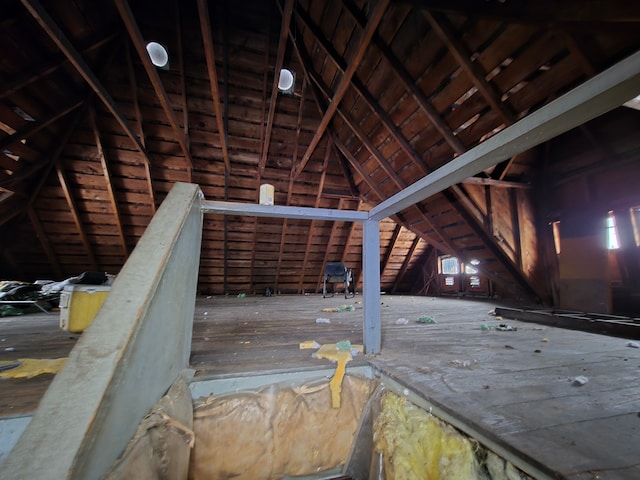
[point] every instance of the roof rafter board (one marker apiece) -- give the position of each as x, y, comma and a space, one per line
55, 33
596, 96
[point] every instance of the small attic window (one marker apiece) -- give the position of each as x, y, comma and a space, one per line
286, 81
158, 54
613, 241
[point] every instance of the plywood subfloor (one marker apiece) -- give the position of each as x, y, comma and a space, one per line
515, 387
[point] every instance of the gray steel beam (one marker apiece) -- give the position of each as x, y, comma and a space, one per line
281, 211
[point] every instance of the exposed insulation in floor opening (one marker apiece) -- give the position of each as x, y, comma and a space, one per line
414, 444
287, 430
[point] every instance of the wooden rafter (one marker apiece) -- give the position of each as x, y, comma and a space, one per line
409, 83
108, 180
73, 209
456, 196
60, 39
539, 11
459, 51
139, 125
48, 164
263, 113
44, 243
369, 29
34, 127
312, 227
49, 69
139, 44
390, 247
357, 130
406, 262
207, 39
183, 87
282, 46
294, 157
441, 241
495, 183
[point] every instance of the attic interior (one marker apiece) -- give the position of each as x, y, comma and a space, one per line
94, 137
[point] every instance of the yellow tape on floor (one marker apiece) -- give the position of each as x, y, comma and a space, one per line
31, 367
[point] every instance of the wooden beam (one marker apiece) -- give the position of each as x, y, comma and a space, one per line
51, 68
311, 233
406, 262
515, 227
139, 44
391, 246
460, 202
205, 27
109, 182
34, 127
44, 243
410, 85
59, 38
50, 164
263, 121
291, 175
495, 183
594, 97
139, 125
183, 88
539, 11
73, 209
443, 28
282, 46
368, 32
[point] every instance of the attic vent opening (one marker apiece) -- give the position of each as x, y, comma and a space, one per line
286, 81
158, 54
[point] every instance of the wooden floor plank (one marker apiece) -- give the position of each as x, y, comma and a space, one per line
516, 387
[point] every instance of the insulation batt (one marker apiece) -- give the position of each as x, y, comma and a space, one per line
416, 445
277, 431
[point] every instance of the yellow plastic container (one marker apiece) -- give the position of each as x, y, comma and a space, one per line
79, 304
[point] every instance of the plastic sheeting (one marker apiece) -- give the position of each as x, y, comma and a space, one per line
276, 432
161, 447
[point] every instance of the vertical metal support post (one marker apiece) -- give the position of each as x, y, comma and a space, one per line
371, 290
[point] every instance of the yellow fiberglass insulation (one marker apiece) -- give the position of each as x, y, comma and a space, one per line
417, 445
276, 432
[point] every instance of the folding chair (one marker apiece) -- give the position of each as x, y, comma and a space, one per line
337, 272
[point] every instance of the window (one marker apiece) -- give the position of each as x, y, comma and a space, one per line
449, 281
474, 281
471, 267
449, 265
613, 242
